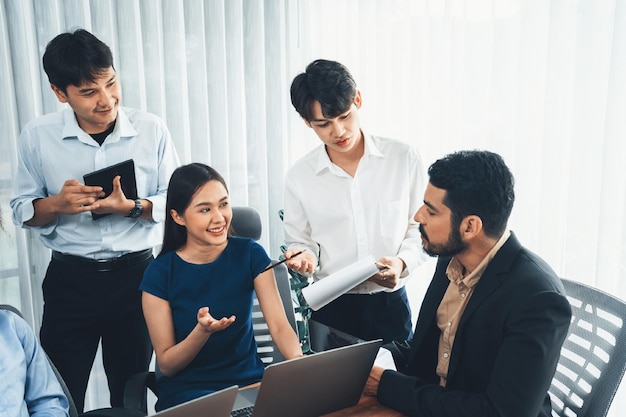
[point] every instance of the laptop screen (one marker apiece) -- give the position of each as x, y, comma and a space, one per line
323, 337
313, 385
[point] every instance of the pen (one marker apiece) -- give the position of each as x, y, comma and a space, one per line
283, 261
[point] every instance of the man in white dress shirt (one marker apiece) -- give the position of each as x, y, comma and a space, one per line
91, 288
353, 196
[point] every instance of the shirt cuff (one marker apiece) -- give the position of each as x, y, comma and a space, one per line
158, 208
26, 212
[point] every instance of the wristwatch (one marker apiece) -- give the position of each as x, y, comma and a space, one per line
136, 211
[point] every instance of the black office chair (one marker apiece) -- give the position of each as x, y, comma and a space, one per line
73, 412
246, 222
593, 356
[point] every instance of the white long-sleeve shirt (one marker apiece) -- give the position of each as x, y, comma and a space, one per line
352, 217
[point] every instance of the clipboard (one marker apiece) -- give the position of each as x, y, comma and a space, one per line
104, 178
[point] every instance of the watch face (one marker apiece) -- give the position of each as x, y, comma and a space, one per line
136, 211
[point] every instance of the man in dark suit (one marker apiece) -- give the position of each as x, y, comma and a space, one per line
491, 326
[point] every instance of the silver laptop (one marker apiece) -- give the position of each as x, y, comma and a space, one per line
217, 404
312, 385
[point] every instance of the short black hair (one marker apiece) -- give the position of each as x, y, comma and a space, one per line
73, 58
328, 82
476, 183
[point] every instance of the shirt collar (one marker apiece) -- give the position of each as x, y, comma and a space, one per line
371, 150
456, 270
71, 129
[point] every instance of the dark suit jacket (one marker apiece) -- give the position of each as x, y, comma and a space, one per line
505, 351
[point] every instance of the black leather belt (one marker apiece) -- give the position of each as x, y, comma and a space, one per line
104, 265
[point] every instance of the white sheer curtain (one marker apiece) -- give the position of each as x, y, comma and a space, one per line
541, 82
214, 70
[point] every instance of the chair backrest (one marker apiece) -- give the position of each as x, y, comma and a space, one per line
266, 349
593, 356
73, 411
246, 222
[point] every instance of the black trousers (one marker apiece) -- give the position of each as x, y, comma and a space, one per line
82, 307
384, 315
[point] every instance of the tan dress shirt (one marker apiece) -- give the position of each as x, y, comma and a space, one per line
454, 301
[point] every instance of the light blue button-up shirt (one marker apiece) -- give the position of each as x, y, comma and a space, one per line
53, 149
28, 386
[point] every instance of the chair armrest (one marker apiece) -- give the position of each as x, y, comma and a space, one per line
136, 393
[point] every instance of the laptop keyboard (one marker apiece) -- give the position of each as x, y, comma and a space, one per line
242, 412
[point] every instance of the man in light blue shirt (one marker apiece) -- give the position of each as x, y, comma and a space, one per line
91, 286
28, 385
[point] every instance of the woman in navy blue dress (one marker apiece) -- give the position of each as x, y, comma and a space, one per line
198, 294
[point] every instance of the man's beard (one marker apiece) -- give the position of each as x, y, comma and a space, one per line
453, 246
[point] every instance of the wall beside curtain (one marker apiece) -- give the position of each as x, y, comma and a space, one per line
540, 82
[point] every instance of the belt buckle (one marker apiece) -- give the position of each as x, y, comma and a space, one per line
104, 268
105, 265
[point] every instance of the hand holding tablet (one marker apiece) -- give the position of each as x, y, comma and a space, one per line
104, 178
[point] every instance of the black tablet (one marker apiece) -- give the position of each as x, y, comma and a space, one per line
104, 178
